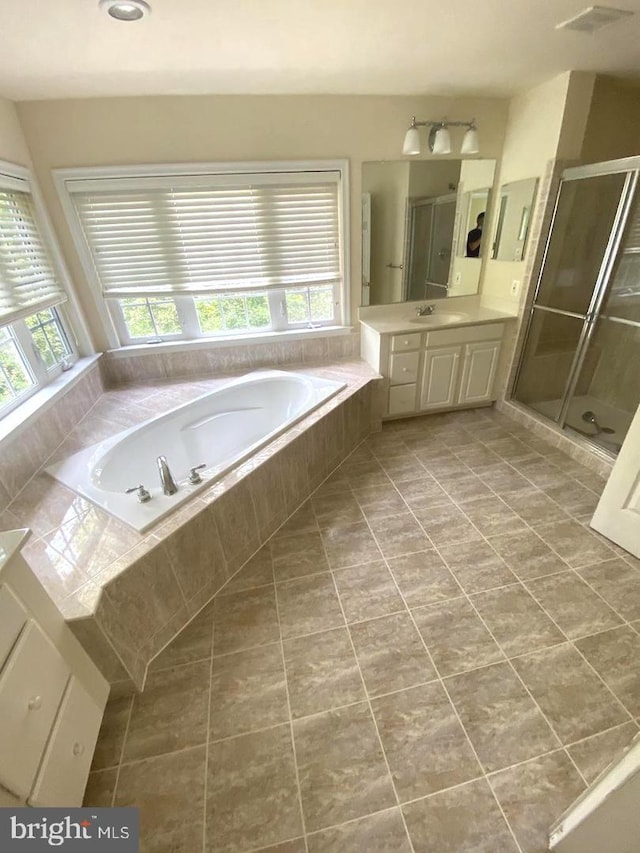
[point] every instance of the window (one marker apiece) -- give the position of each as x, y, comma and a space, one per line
34, 343
212, 252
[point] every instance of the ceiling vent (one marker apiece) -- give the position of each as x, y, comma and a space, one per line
593, 18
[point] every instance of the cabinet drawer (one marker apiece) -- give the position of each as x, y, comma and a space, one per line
31, 686
402, 398
465, 334
399, 343
65, 767
404, 368
13, 617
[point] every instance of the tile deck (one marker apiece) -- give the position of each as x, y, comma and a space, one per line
435, 654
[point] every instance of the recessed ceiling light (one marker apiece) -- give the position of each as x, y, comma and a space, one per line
125, 10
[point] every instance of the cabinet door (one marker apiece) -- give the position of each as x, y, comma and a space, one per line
403, 368
439, 377
478, 372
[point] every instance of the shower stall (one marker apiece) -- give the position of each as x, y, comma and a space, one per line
580, 364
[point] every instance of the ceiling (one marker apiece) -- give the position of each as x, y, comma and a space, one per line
70, 48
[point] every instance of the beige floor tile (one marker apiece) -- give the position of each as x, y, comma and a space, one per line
308, 605
244, 619
248, 692
534, 794
171, 714
574, 543
193, 643
425, 745
465, 819
492, 516
298, 555
362, 474
391, 654
527, 555
423, 578
368, 591
504, 480
534, 506
456, 637
610, 654
573, 605
252, 795
574, 498
399, 534
509, 448
478, 457
380, 501
618, 583
169, 792
516, 620
476, 566
322, 672
446, 524
303, 520
336, 510
458, 436
500, 717
295, 846
350, 545
423, 492
112, 732
383, 832
592, 755
571, 696
461, 489
401, 468
342, 771
445, 466
258, 571
101, 786
541, 473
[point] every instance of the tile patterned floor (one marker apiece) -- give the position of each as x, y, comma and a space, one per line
434, 654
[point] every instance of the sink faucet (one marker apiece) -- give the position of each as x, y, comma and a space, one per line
169, 485
425, 310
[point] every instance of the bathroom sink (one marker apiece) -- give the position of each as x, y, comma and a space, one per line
439, 317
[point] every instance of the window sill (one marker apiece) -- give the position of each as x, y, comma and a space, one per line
232, 340
18, 419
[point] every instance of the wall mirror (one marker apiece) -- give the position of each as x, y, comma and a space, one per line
514, 215
417, 219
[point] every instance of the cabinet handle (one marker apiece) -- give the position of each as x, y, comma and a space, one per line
78, 748
35, 703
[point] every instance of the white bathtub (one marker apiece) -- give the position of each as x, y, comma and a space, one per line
220, 429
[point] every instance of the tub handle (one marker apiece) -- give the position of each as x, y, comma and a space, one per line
142, 494
194, 477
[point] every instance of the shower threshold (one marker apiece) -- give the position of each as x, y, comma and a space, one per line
612, 423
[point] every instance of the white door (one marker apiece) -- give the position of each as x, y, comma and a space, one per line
439, 377
605, 819
478, 372
617, 516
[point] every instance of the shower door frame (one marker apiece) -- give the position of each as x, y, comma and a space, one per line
631, 167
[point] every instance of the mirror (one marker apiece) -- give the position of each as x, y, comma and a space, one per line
514, 215
417, 224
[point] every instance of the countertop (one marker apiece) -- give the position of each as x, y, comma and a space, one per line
400, 319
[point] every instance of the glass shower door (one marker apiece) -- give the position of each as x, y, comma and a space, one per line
564, 335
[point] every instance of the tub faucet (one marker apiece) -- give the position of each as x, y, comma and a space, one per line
425, 310
169, 485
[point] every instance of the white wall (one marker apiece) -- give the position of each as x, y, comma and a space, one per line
13, 145
184, 128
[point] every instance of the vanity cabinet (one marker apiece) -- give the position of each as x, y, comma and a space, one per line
446, 368
52, 696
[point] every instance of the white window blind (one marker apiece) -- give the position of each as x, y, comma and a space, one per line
28, 282
211, 234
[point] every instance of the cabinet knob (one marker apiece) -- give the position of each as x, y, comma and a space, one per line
35, 703
78, 748
404, 369
406, 343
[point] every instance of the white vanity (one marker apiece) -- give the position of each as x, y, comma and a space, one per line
444, 360
52, 696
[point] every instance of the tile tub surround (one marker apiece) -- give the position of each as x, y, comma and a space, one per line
366, 683
127, 594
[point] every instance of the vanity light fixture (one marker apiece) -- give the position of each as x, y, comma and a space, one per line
125, 10
440, 138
